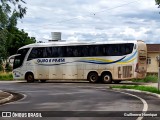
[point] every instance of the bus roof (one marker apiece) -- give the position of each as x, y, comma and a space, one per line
66, 43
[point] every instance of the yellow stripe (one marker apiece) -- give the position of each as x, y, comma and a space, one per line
99, 59
126, 61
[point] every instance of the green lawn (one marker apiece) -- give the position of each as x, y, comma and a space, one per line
138, 87
147, 79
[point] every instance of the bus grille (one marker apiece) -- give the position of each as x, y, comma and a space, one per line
127, 71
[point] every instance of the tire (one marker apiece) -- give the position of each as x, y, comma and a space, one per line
30, 78
92, 77
106, 78
43, 81
117, 81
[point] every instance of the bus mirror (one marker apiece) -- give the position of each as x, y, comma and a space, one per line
11, 58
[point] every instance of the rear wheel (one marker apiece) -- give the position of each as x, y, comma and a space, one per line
92, 77
106, 78
30, 78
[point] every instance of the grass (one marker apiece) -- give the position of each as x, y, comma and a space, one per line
139, 87
6, 76
148, 79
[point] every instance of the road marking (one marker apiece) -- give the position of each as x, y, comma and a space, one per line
145, 105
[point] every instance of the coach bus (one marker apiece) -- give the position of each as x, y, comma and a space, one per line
95, 61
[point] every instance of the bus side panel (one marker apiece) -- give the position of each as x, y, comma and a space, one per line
43, 72
80, 71
69, 72
55, 72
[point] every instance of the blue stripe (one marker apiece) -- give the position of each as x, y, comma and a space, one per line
98, 62
129, 58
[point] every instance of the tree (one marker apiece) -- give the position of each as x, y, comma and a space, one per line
11, 38
8, 20
158, 3
18, 39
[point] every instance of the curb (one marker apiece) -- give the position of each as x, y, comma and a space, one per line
132, 90
7, 98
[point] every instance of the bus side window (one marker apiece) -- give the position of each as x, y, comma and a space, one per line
123, 49
54, 52
110, 50
33, 54
75, 52
97, 51
60, 51
91, 51
47, 52
69, 51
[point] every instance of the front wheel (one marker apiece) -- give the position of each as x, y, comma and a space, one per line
92, 77
106, 78
30, 78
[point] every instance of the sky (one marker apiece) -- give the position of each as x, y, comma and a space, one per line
93, 20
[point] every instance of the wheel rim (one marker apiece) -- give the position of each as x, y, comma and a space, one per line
30, 77
93, 78
106, 78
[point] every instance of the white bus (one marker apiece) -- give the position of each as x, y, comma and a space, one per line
95, 62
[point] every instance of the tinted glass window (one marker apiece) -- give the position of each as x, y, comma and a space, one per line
37, 53
18, 60
82, 51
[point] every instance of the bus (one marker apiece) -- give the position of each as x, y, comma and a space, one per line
106, 62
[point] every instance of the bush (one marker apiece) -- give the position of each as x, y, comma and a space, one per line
6, 76
1, 68
8, 67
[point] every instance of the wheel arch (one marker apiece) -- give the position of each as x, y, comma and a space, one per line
27, 73
92, 72
107, 72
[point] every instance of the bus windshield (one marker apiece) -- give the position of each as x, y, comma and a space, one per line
18, 60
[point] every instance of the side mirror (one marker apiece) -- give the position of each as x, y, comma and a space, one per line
11, 58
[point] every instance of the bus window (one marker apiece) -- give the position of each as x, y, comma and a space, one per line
18, 60
60, 52
36, 53
47, 52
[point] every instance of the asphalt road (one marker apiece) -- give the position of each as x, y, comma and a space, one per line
72, 97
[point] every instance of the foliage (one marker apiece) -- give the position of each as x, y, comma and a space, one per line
137, 87
1, 68
6, 76
17, 39
147, 79
11, 38
158, 2
8, 67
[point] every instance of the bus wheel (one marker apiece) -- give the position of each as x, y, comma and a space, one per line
117, 81
30, 78
106, 78
92, 77
43, 81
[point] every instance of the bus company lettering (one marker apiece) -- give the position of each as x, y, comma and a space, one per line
51, 60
